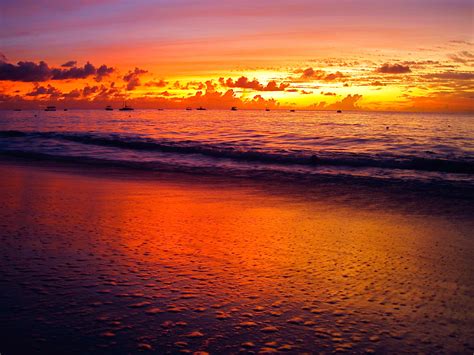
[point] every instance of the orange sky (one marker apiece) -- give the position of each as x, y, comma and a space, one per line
303, 54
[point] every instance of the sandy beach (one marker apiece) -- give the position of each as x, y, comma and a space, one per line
115, 261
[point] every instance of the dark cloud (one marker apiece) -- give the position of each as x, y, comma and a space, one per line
157, 84
394, 69
49, 90
420, 62
3, 57
102, 71
328, 93
32, 72
321, 75
74, 94
196, 85
377, 83
463, 57
69, 64
74, 72
244, 83
133, 78
451, 76
25, 71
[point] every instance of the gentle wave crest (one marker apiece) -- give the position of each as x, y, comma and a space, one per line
236, 153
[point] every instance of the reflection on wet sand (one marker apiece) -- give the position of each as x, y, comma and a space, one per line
103, 263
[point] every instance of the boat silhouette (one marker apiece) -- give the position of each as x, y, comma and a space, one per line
50, 108
126, 108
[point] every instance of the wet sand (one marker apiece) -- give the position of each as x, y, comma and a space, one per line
113, 261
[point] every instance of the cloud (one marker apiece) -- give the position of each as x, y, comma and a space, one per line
3, 57
196, 85
157, 84
463, 57
244, 83
450, 76
393, 69
321, 75
442, 101
350, 102
102, 71
328, 93
49, 90
133, 78
32, 72
420, 63
25, 71
376, 83
69, 64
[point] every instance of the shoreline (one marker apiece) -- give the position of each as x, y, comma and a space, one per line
458, 197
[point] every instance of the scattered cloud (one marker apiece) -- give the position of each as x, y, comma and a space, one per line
394, 69
244, 83
349, 103
463, 57
32, 72
377, 83
451, 75
49, 90
69, 64
133, 78
442, 101
157, 84
311, 74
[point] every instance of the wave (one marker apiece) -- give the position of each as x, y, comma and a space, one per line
224, 151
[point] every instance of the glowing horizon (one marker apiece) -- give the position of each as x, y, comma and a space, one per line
402, 56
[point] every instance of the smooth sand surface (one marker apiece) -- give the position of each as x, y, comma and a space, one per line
115, 262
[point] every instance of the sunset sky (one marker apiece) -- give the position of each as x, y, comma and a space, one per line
400, 55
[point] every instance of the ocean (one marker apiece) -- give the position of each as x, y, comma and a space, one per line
373, 146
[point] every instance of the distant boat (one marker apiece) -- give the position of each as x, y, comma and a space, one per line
339, 111
17, 109
50, 108
292, 110
126, 108
65, 109
267, 109
200, 108
233, 108
160, 109
109, 108
189, 109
